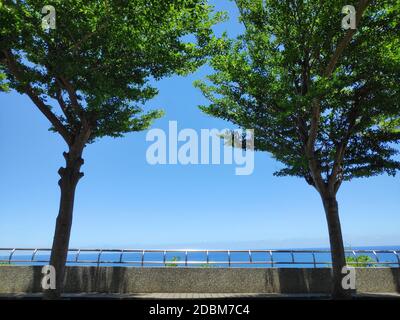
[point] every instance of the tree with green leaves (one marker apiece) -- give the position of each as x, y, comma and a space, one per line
90, 76
324, 101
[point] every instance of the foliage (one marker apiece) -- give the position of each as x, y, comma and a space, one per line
360, 261
174, 259
319, 98
206, 265
100, 61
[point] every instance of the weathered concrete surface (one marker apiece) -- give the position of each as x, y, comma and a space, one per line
198, 296
19, 279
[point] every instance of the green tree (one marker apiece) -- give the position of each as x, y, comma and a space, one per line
90, 76
324, 101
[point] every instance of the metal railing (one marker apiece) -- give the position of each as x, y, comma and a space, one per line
249, 258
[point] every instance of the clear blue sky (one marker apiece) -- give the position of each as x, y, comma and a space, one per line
124, 202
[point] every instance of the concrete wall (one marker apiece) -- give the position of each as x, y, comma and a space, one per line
16, 279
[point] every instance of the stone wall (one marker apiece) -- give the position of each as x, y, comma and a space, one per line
27, 279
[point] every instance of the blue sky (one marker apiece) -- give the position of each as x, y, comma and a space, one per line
124, 202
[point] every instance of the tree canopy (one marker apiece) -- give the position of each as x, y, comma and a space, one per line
99, 61
319, 98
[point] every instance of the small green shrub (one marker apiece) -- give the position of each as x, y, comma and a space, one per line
206, 265
360, 261
174, 259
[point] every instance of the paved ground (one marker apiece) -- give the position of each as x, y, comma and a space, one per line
201, 296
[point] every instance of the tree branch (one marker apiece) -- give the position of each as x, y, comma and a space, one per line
63, 105
334, 180
14, 70
316, 103
362, 5
74, 101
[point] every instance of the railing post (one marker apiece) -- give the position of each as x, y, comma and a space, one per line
313, 255
11, 254
398, 258
33, 255
120, 256
272, 258
376, 257
77, 255
355, 256
98, 258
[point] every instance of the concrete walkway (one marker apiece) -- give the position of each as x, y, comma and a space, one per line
197, 296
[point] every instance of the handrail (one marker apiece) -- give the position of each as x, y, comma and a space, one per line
81, 256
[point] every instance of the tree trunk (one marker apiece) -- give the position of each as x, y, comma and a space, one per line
337, 248
70, 176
